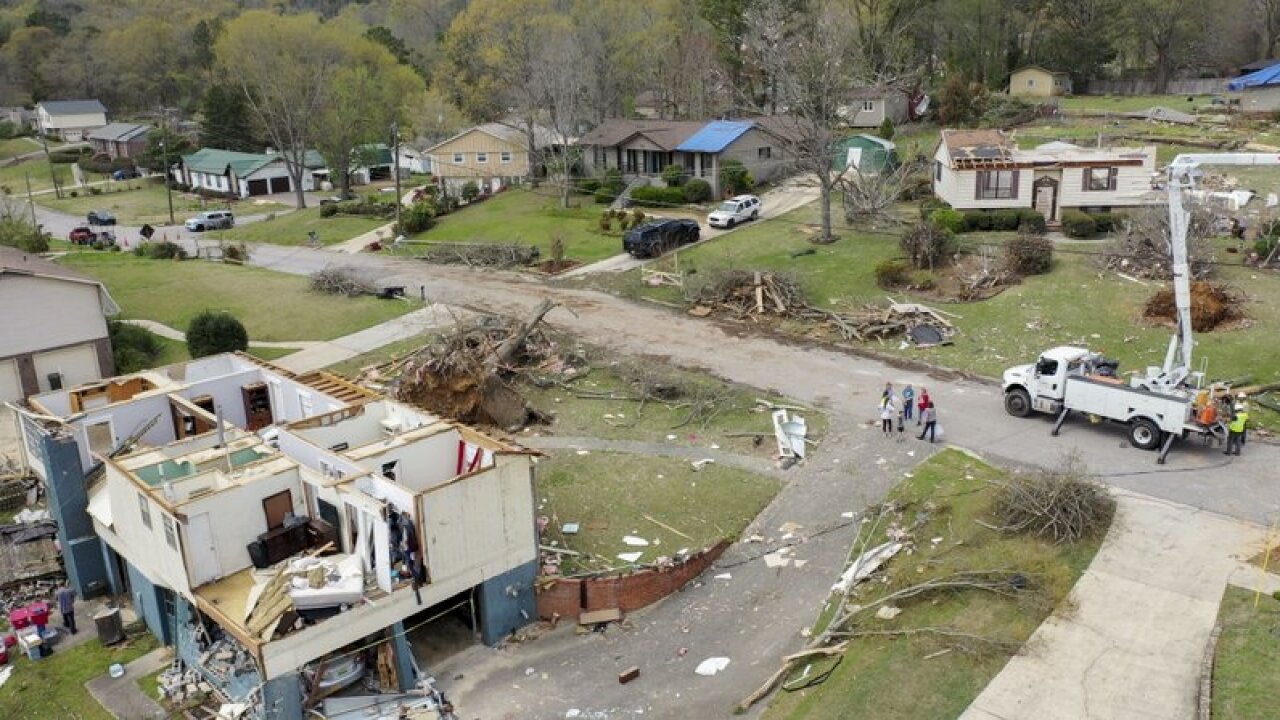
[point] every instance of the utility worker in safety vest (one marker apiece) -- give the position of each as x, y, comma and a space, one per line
1235, 430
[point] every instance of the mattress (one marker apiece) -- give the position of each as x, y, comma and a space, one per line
345, 584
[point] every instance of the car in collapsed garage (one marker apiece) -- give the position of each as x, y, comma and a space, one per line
659, 236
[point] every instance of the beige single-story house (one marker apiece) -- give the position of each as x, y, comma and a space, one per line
985, 169
1035, 81
55, 326
491, 155
870, 107
70, 120
120, 140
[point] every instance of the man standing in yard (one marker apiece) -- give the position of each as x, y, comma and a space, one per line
930, 417
908, 401
1235, 431
66, 598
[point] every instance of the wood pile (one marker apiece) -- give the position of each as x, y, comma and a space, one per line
481, 254
752, 295
345, 281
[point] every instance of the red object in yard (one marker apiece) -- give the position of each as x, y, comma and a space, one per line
39, 613
20, 618
4, 656
10, 640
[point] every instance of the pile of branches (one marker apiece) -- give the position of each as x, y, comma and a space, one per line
466, 374
1211, 305
345, 281
1142, 246
481, 254
1064, 505
873, 196
750, 295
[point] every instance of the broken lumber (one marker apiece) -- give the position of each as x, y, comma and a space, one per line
665, 526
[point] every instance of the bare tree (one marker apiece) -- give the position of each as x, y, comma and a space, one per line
561, 81
1267, 13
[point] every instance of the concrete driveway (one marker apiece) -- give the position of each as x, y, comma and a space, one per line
791, 194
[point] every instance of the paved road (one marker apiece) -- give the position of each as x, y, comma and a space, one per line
788, 196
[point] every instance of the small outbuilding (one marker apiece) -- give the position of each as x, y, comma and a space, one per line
866, 154
1035, 81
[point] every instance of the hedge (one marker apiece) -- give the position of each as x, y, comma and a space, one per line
893, 273
697, 190
952, 220
1078, 224
652, 196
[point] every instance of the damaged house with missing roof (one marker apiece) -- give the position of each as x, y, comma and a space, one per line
985, 169
283, 532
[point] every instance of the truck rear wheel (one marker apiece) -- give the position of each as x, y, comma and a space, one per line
1144, 434
1017, 402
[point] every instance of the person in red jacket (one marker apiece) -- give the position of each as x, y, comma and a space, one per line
921, 403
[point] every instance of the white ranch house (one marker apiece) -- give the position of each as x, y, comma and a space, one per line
985, 169
243, 174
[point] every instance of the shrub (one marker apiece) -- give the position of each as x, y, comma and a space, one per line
928, 245
1108, 222
697, 190
606, 222
416, 218
886, 129
132, 348
1077, 224
75, 193
653, 196
238, 252
588, 186
892, 273
1028, 254
66, 157
470, 190
558, 248
213, 332
96, 245
605, 195
1031, 221
930, 205
734, 177
16, 233
952, 220
977, 220
921, 280
328, 210
637, 216
95, 190
1005, 220
674, 175
162, 250
367, 207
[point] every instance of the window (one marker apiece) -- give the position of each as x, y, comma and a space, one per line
457, 158
998, 185
170, 532
868, 106
482, 157
144, 508
1031, 82
937, 170
506, 157
1099, 179
764, 153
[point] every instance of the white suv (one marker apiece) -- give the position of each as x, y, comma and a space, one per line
211, 220
735, 210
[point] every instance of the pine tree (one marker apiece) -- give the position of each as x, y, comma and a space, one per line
225, 121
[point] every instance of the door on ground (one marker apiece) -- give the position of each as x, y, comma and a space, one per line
1046, 198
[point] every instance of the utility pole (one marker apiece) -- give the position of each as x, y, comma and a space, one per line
44, 141
164, 158
31, 203
395, 167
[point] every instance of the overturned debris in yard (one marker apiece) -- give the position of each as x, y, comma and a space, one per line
345, 281
746, 295
481, 254
1141, 246
1211, 306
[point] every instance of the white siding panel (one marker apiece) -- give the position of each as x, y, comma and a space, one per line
10, 383
964, 186
38, 313
481, 525
1133, 187
77, 365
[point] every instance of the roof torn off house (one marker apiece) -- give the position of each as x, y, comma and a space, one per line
289, 564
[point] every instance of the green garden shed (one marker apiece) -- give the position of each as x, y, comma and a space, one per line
869, 154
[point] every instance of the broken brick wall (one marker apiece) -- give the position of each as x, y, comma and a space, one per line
569, 598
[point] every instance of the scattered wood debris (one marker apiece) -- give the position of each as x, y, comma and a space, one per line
341, 281
481, 254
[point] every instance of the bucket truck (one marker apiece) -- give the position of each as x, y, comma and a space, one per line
1162, 404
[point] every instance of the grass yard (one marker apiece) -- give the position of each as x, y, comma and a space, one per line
888, 678
1245, 683
135, 202
13, 178
609, 495
1130, 103
54, 686
273, 306
291, 228
529, 217
14, 147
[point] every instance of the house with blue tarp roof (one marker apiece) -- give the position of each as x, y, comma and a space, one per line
1258, 91
641, 148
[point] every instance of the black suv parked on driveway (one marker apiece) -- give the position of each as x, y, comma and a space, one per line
660, 236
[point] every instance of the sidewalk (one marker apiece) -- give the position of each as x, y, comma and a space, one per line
1133, 635
323, 354
122, 697
165, 331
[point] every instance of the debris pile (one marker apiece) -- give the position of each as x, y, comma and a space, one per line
341, 281
1141, 248
1211, 306
1063, 505
752, 295
481, 254
182, 687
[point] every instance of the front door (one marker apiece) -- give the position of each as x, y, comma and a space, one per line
1046, 198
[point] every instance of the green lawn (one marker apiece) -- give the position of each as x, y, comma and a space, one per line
13, 178
1129, 103
529, 217
136, 202
609, 495
1245, 681
291, 228
16, 146
889, 678
54, 686
273, 306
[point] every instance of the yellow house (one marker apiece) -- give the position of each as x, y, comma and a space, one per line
492, 155
1038, 82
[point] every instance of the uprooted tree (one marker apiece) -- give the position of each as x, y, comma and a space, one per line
1141, 247
872, 196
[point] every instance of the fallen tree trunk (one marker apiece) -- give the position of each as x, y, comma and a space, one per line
506, 352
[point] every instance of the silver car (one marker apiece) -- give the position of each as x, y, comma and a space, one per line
739, 208
211, 220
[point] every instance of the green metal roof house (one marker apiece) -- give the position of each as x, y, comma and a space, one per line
243, 174
868, 153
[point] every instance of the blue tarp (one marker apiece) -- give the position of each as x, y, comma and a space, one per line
1261, 78
715, 136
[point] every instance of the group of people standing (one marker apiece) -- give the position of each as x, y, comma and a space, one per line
904, 408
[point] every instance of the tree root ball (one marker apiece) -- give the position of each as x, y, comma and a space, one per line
1211, 306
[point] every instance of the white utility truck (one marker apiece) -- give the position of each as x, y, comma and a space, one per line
1161, 405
